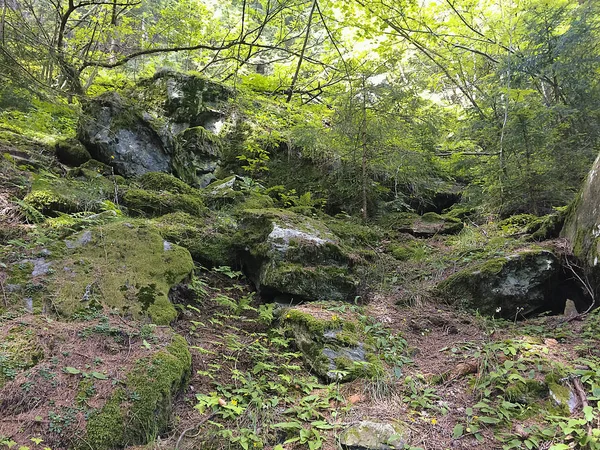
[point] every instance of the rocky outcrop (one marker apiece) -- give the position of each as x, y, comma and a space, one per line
505, 286
294, 257
168, 123
582, 226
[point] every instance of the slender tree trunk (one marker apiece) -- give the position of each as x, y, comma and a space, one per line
301, 58
365, 149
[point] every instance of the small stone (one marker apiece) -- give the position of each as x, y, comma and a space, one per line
570, 309
369, 435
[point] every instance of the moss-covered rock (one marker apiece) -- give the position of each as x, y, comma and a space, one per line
107, 383
19, 350
427, 225
334, 347
152, 203
505, 286
71, 152
116, 132
294, 256
51, 195
197, 155
369, 435
128, 267
210, 240
157, 181
153, 385
582, 224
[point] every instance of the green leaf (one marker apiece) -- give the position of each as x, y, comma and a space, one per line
146, 344
490, 420
287, 425
458, 431
588, 413
72, 370
99, 376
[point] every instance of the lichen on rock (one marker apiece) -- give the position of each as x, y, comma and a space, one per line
334, 347
125, 266
295, 256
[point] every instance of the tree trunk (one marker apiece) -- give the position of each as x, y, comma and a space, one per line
365, 149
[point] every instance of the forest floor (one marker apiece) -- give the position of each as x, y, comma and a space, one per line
454, 356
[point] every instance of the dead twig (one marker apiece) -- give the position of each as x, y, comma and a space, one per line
182, 435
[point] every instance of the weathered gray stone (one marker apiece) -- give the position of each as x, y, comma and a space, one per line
504, 286
168, 123
296, 256
369, 435
116, 133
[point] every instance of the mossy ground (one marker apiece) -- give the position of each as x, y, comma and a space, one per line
90, 382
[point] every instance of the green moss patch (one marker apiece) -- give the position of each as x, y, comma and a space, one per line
158, 181
51, 195
100, 382
334, 347
150, 203
210, 240
128, 267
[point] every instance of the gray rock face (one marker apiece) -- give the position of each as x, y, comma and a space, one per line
504, 286
116, 134
168, 123
368, 435
582, 226
294, 256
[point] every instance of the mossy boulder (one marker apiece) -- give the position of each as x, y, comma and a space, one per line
293, 256
335, 348
51, 195
186, 100
19, 350
71, 152
167, 123
154, 382
427, 225
582, 224
227, 191
116, 132
158, 182
519, 284
126, 266
152, 203
370, 435
210, 240
197, 156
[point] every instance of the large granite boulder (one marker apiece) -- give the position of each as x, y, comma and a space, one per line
168, 123
293, 257
127, 267
518, 284
582, 225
